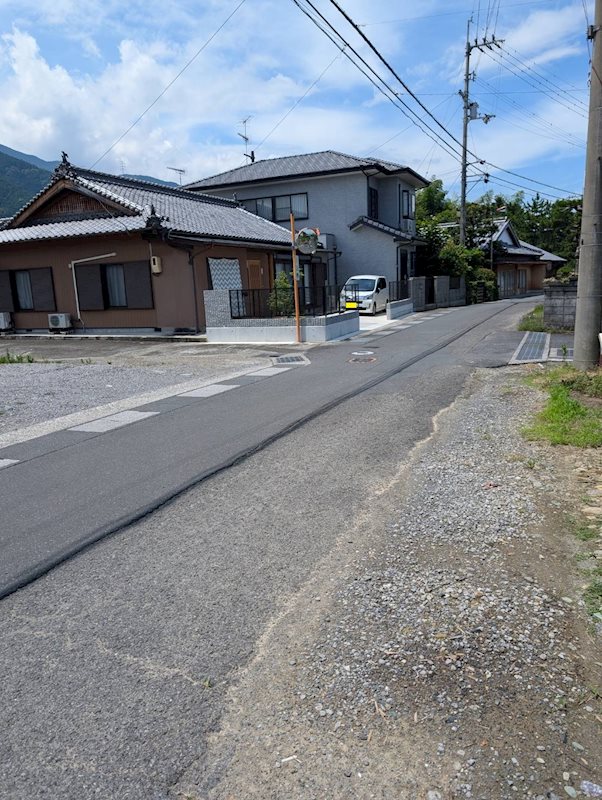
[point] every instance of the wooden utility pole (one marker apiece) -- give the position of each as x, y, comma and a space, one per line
589, 284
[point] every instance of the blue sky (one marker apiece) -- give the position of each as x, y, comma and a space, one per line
77, 73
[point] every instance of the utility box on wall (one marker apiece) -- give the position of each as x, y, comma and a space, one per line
156, 265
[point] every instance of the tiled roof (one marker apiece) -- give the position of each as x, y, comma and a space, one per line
327, 161
181, 211
380, 226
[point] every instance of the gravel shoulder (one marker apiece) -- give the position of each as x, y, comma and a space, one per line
445, 654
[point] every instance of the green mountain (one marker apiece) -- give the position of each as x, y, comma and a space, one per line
23, 175
37, 162
19, 182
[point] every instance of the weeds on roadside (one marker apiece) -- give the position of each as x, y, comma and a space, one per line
533, 321
12, 358
593, 597
585, 534
565, 418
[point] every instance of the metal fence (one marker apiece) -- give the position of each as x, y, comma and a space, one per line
314, 301
399, 290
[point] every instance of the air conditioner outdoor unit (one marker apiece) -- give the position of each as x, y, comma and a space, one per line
59, 322
6, 321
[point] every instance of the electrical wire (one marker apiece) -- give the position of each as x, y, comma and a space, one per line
170, 84
421, 104
406, 110
445, 14
392, 95
303, 96
521, 74
559, 133
554, 86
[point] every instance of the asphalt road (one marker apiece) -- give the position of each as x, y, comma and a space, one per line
114, 665
88, 484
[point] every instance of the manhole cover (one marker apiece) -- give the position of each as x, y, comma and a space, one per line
362, 359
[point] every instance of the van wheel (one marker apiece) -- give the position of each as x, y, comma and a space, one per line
373, 311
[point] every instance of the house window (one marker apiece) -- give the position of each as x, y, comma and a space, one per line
102, 286
372, 203
264, 207
408, 204
27, 290
24, 295
278, 209
115, 282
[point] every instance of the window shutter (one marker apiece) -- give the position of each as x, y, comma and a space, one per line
138, 288
42, 289
89, 287
6, 293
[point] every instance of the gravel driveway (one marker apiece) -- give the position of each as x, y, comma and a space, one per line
85, 374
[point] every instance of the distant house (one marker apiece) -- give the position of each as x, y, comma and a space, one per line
118, 253
364, 208
520, 267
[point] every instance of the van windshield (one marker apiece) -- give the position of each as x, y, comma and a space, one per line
362, 284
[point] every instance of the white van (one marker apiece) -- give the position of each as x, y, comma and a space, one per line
366, 293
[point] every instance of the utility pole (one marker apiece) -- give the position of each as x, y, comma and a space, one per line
470, 111
589, 283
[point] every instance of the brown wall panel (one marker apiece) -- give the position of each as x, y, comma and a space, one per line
172, 290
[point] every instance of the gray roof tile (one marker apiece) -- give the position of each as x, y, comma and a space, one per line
290, 166
184, 212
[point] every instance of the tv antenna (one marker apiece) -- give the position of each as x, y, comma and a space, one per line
246, 139
179, 171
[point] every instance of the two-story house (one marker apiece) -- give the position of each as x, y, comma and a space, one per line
364, 208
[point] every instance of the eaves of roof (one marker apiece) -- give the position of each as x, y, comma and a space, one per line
380, 226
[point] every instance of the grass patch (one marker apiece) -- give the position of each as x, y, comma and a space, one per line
585, 534
533, 321
593, 597
565, 420
12, 358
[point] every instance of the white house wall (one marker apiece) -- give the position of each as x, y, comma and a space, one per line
334, 202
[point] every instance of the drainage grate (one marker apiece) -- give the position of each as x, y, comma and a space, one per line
290, 360
534, 347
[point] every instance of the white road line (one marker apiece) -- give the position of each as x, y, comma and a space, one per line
269, 371
8, 462
105, 424
209, 391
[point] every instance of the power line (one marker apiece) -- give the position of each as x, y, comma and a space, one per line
539, 120
445, 145
421, 104
464, 12
395, 99
303, 96
170, 84
554, 86
521, 74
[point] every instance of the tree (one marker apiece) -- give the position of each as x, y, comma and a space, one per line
281, 301
432, 204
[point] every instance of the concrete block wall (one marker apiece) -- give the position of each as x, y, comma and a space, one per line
457, 297
442, 291
418, 293
559, 305
222, 328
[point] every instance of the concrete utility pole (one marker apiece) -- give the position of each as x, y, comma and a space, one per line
470, 112
589, 284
